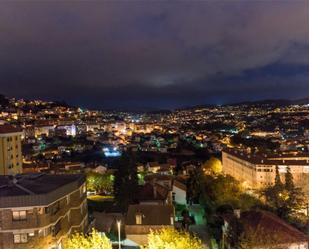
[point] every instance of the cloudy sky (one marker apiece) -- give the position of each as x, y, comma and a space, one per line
154, 54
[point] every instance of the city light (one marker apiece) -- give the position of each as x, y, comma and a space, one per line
111, 152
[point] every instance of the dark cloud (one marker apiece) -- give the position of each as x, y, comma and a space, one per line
154, 54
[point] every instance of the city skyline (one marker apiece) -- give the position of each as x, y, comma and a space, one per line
159, 55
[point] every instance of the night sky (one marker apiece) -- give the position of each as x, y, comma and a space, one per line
154, 54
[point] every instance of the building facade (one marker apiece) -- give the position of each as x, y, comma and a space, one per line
39, 210
141, 219
257, 171
10, 150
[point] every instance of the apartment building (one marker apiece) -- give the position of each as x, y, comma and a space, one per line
10, 150
40, 210
257, 171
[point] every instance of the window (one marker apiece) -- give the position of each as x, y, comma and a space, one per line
54, 208
138, 218
302, 247
41, 210
19, 215
56, 228
20, 238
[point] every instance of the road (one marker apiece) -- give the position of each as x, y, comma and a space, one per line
200, 228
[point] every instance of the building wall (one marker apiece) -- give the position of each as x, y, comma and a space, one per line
139, 233
301, 245
180, 196
239, 169
10, 154
259, 175
141, 239
68, 214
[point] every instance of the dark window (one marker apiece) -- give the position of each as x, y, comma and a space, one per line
56, 228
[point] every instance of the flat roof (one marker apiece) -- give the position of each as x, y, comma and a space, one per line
35, 184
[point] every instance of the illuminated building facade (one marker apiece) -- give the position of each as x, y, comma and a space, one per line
10, 150
39, 210
258, 171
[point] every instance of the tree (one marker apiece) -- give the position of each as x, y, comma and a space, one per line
92, 241
126, 181
170, 238
213, 165
295, 196
100, 182
289, 184
214, 226
284, 198
278, 182
221, 190
193, 186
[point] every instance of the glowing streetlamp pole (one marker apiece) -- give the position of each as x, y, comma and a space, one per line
118, 225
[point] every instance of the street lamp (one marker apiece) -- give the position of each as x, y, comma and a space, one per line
118, 225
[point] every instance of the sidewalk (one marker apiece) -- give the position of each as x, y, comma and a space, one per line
200, 228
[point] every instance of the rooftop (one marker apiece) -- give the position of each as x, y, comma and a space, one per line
34, 184
154, 215
7, 128
267, 225
150, 192
257, 158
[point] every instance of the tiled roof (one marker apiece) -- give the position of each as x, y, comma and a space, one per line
147, 192
7, 128
267, 225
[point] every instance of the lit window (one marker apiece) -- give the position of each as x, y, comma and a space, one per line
20, 238
138, 218
19, 215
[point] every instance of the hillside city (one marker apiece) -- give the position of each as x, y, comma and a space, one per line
230, 176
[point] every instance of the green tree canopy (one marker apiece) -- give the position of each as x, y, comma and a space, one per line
213, 165
94, 240
170, 238
284, 198
100, 182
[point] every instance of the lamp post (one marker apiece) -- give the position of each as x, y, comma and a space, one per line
119, 239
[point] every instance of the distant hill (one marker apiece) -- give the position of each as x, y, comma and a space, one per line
272, 102
301, 101
266, 102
